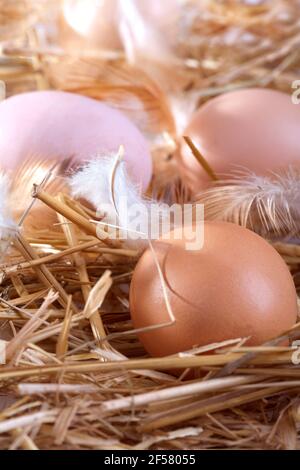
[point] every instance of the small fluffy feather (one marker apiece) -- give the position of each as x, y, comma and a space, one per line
105, 183
270, 205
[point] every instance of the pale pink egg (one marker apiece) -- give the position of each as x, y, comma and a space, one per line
53, 125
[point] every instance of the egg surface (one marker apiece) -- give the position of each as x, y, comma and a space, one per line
236, 286
255, 130
53, 125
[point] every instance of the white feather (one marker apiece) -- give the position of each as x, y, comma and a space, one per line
267, 204
105, 183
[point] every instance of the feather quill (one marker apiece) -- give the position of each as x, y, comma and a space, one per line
269, 205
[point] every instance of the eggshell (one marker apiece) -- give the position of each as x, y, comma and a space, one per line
237, 286
252, 129
56, 125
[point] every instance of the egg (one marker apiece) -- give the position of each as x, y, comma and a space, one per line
236, 286
255, 130
56, 125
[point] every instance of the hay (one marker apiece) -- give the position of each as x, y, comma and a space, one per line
76, 376
16, 16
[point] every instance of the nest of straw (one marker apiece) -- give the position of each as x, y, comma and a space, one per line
76, 377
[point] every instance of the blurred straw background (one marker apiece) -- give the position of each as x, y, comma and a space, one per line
76, 377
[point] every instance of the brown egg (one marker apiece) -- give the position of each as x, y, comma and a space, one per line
253, 129
236, 286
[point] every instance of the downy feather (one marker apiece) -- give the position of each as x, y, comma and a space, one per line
269, 205
104, 182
